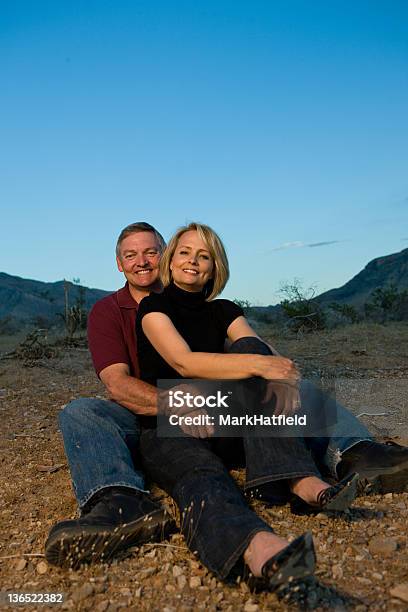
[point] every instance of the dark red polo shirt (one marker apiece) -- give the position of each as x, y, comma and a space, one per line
111, 331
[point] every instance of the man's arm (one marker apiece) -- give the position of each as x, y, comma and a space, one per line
134, 394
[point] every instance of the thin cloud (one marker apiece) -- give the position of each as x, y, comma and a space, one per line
318, 244
300, 245
289, 245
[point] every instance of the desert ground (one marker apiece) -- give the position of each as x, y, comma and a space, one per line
362, 554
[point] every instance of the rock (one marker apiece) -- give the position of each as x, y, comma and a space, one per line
251, 607
337, 572
377, 575
84, 591
42, 567
170, 588
138, 592
102, 605
177, 571
363, 580
382, 546
145, 573
195, 582
125, 592
20, 565
181, 581
400, 591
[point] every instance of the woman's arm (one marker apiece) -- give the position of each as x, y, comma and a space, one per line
174, 349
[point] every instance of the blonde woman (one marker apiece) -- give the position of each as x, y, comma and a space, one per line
181, 334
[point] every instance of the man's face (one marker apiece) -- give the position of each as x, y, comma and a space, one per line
139, 259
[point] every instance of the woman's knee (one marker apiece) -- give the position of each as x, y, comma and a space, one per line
250, 345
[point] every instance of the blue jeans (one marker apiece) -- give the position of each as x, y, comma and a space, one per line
101, 440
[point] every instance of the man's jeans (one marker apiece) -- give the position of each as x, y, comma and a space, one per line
101, 439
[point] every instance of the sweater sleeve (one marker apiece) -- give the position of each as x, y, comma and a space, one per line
152, 303
226, 312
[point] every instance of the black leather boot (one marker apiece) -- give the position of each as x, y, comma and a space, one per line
383, 468
114, 519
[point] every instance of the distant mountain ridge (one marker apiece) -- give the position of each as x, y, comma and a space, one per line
380, 272
22, 300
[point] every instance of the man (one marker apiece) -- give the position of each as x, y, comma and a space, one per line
101, 436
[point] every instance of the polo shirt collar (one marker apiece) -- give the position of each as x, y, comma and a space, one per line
125, 299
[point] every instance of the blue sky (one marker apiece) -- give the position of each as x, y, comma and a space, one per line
282, 124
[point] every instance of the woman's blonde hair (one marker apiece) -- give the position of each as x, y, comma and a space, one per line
217, 251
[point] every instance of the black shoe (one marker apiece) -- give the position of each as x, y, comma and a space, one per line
293, 563
383, 468
337, 498
116, 519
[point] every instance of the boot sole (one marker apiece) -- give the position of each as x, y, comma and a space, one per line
387, 480
371, 473
72, 547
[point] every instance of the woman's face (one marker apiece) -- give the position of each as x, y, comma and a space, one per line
192, 265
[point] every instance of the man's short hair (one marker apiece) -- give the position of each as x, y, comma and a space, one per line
134, 228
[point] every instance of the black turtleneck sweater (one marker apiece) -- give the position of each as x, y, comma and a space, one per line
203, 325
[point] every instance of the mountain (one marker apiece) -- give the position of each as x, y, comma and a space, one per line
24, 301
380, 272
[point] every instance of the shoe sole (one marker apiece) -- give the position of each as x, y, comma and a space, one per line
71, 548
343, 500
299, 564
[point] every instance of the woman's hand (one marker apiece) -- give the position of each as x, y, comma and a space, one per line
278, 368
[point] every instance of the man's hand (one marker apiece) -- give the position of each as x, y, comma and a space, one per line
196, 431
287, 396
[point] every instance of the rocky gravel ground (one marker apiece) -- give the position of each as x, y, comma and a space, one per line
362, 554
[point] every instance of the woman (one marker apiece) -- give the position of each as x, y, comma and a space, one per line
181, 333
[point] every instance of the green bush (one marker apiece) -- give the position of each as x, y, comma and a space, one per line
300, 307
387, 304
